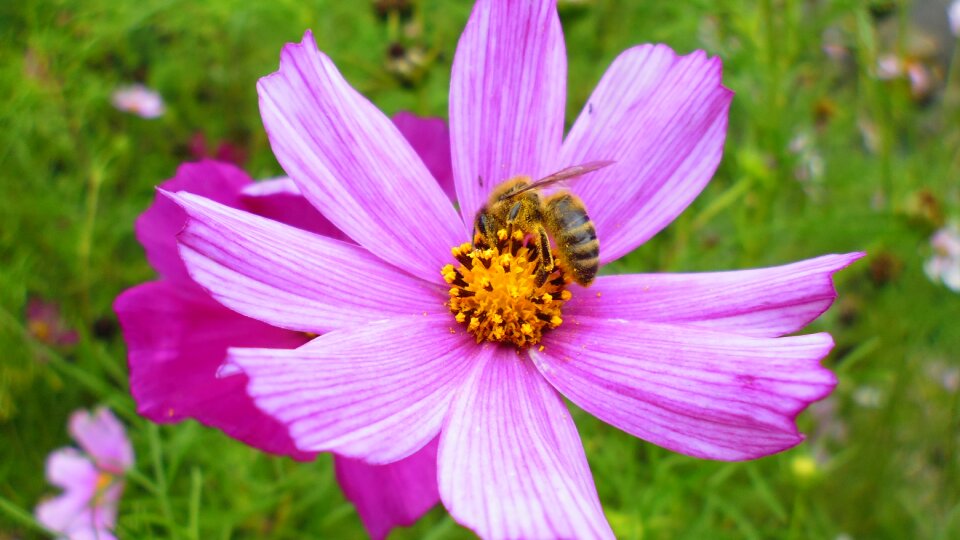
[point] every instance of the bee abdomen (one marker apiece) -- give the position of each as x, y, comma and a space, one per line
575, 235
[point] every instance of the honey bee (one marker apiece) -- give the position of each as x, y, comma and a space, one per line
517, 205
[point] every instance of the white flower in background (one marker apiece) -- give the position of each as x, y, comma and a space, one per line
139, 100
889, 67
867, 396
946, 374
953, 13
944, 265
810, 163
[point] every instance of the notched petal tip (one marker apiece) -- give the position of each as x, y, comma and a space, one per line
852, 257
663, 117
168, 194
228, 369
702, 393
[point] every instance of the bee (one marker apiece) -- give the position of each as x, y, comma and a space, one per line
517, 204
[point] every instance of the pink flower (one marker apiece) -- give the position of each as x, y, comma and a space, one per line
943, 266
177, 335
92, 480
139, 100
692, 362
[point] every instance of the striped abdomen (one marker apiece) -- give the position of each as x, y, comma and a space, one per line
576, 238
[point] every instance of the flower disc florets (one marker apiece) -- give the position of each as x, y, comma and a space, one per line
498, 294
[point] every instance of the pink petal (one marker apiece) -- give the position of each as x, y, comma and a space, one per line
67, 468
693, 391
281, 200
158, 226
139, 100
507, 97
377, 392
766, 302
102, 436
177, 337
393, 495
353, 164
430, 138
511, 462
292, 278
663, 119
91, 534
69, 514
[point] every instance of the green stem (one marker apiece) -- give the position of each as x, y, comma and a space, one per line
160, 479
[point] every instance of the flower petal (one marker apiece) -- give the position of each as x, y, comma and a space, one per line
158, 226
177, 337
393, 495
764, 302
693, 391
376, 392
102, 436
507, 97
71, 511
353, 164
430, 138
280, 200
663, 119
511, 464
68, 514
292, 278
67, 468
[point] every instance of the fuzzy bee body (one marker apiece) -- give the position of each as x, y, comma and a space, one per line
518, 205
576, 237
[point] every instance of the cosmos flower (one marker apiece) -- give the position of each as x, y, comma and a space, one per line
177, 336
944, 265
139, 100
424, 336
45, 323
92, 480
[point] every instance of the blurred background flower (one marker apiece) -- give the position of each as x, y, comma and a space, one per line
92, 480
943, 265
953, 15
46, 324
139, 100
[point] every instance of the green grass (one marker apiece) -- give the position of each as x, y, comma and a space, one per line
74, 173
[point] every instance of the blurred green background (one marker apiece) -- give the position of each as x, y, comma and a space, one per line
827, 152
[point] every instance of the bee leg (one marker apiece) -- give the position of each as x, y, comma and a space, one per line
546, 265
486, 229
512, 216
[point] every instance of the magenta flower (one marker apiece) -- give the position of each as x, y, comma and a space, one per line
45, 323
177, 336
425, 337
92, 480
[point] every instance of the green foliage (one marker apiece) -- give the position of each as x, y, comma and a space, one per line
75, 172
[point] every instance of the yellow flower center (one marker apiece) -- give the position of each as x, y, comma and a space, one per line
104, 481
40, 329
497, 294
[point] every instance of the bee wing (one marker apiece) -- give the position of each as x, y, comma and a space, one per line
572, 171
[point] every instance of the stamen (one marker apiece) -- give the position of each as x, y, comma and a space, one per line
499, 293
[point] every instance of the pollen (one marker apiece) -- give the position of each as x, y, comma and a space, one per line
499, 293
